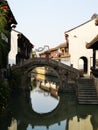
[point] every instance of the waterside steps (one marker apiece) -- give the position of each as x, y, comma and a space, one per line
86, 91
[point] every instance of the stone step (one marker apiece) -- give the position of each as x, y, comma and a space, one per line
90, 87
86, 79
80, 88
88, 102
86, 98
87, 91
86, 83
83, 82
87, 95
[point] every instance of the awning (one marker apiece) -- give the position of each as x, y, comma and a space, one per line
93, 44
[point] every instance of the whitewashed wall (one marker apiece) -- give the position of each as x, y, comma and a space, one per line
78, 37
13, 51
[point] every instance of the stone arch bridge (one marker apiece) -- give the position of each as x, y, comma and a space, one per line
64, 72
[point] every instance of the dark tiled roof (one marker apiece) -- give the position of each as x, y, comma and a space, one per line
59, 46
90, 44
94, 16
55, 48
77, 26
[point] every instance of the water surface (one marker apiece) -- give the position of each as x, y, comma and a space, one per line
38, 110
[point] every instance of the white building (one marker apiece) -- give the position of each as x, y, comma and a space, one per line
21, 48
13, 50
78, 37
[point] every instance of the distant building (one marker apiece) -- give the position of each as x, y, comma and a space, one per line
74, 49
59, 53
81, 57
21, 48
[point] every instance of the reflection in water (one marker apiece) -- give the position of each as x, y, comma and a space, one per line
68, 115
44, 98
42, 102
56, 126
81, 124
13, 125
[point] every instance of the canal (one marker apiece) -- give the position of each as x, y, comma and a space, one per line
40, 108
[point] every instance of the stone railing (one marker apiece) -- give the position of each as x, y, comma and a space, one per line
65, 69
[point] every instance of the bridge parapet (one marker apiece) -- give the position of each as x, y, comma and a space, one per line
63, 68
64, 72
60, 67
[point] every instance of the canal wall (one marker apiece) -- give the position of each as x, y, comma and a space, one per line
96, 83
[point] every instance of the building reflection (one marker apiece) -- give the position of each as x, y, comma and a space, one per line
79, 124
13, 125
68, 115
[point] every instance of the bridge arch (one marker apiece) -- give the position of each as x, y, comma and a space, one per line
56, 71
60, 72
48, 66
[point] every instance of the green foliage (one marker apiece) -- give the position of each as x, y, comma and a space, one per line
3, 21
32, 85
4, 95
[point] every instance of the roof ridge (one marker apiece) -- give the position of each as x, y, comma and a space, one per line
78, 26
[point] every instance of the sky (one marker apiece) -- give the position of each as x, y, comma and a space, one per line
44, 22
